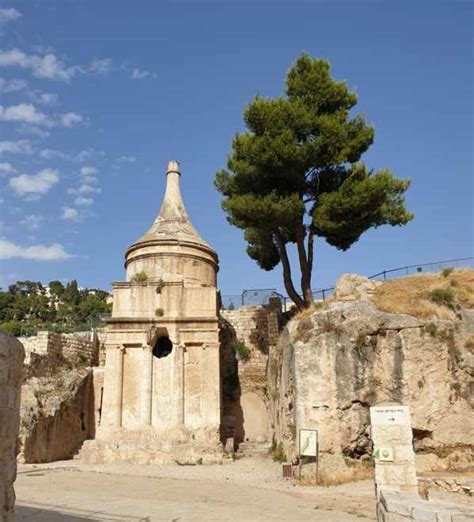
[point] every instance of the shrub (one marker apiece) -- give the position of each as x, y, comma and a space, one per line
159, 312
431, 328
442, 297
241, 350
159, 286
446, 271
278, 455
140, 277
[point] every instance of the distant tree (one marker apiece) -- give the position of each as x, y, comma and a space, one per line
56, 288
71, 294
296, 174
26, 308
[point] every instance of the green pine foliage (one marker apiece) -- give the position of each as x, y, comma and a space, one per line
296, 174
26, 308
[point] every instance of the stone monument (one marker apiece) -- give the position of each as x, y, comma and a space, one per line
161, 398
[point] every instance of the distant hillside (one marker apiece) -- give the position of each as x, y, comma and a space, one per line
28, 307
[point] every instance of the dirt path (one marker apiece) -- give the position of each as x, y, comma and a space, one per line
245, 490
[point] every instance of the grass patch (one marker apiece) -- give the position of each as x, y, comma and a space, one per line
159, 312
431, 328
139, 277
411, 295
447, 271
241, 350
159, 286
276, 451
443, 297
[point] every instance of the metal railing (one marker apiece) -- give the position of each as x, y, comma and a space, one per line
254, 297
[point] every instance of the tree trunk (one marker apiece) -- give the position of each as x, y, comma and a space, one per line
306, 263
292, 293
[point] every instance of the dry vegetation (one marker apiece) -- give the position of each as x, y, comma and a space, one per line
428, 295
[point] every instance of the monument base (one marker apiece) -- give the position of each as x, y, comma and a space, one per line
149, 446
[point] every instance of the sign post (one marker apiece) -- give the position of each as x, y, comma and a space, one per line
393, 447
308, 446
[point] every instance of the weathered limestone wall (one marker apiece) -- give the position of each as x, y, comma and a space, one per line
331, 365
57, 415
245, 392
11, 376
80, 346
58, 410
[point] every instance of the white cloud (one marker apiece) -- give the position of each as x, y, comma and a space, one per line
47, 66
16, 147
25, 128
54, 252
85, 189
88, 171
7, 168
70, 118
32, 222
43, 98
127, 159
12, 85
90, 179
51, 154
9, 15
70, 214
83, 202
25, 113
34, 185
88, 154
140, 74
100, 65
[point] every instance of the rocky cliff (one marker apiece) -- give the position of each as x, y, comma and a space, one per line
335, 361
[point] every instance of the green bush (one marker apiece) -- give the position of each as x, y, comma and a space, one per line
241, 350
431, 328
442, 297
159, 312
446, 271
159, 286
278, 455
140, 277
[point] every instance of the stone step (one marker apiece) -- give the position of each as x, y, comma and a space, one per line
254, 449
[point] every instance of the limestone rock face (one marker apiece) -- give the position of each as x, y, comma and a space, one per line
332, 365
57, 415
11, 375
350, 287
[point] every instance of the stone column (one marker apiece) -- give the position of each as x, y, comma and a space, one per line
118, 386
147, 388
180, 383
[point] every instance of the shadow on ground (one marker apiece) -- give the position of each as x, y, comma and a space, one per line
50, 513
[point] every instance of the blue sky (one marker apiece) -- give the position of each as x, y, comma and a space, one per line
97, 96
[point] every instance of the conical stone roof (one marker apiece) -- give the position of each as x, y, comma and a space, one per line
172, 223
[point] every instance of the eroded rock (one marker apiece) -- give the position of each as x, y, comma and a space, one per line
332, 365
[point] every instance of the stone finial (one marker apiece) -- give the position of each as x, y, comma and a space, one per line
173, 166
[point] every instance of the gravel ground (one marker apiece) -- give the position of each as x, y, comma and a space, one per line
356, 498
